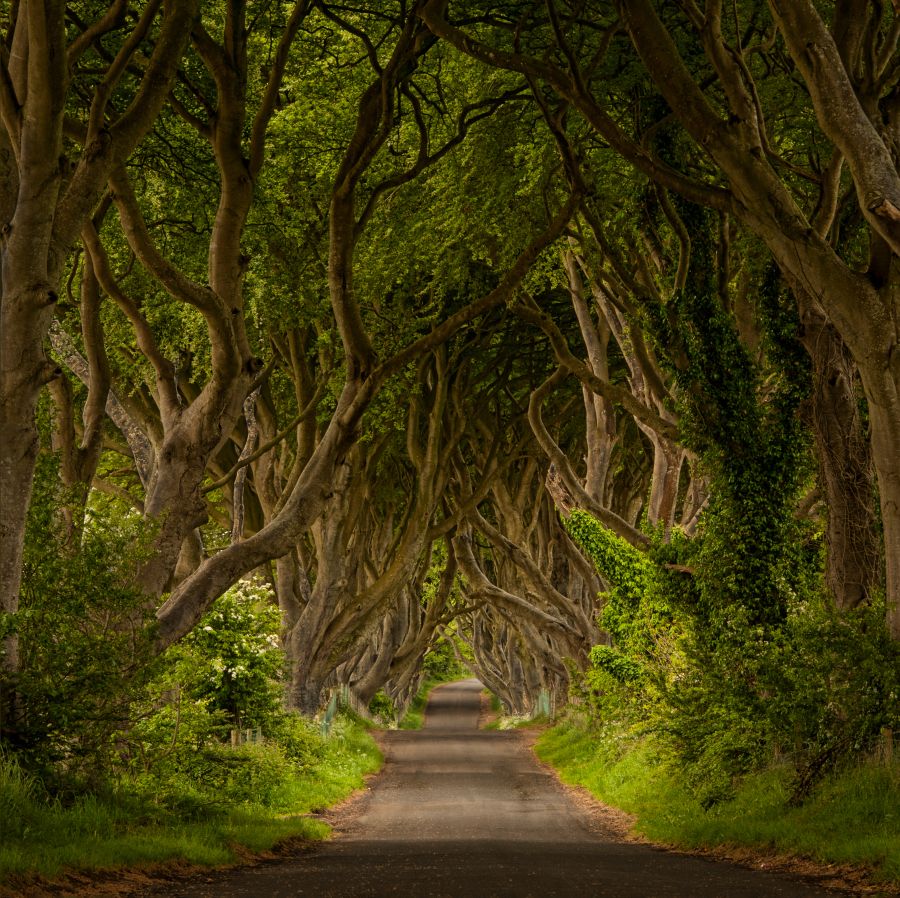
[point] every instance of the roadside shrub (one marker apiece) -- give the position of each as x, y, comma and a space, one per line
835, 686
232, 660
251, 774
300, 739
382, 708
225, 675
17, 797
724, 692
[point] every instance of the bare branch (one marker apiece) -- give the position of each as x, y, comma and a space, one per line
500, 294
103, 91
563, 467
841, 115
532, 313
138, 444
135, 228
115, 144
306, 414
432, 13
240, 480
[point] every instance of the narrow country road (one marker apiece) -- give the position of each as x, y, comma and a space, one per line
463, 813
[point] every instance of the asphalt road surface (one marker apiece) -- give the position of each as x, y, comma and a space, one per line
463, 813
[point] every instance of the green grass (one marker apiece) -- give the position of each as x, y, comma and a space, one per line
852, 817
129, 827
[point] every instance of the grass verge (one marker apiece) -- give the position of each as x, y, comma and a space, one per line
134, 826
853, 817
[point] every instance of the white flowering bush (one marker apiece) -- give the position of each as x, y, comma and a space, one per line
232, 659
226, 674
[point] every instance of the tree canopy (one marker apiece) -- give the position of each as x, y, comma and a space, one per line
563, 334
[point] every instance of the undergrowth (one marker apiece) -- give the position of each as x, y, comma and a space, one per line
243, 800
852, 816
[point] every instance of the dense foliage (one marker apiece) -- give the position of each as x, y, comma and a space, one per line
810, 694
